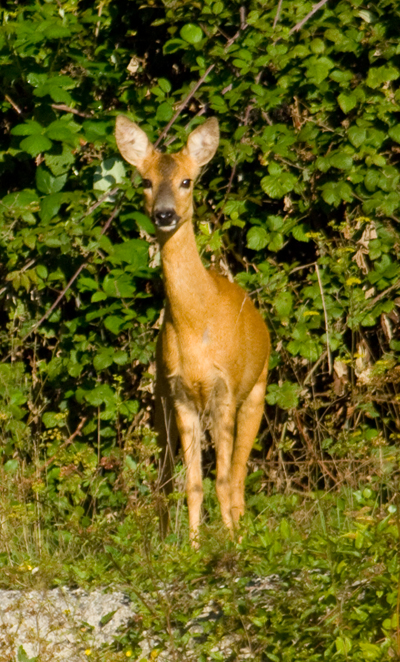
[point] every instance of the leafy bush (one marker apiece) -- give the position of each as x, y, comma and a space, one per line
300, 204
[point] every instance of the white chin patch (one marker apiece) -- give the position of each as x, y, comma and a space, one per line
167, 228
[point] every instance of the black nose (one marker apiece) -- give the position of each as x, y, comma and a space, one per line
165, 217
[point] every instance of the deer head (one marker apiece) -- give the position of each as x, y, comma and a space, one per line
167, 178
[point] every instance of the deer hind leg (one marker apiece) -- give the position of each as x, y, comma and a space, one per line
223, 412
165, 426
247, 425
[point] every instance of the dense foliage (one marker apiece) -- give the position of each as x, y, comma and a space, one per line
300, 205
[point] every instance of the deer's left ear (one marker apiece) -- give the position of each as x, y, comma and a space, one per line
132, 141
203, 142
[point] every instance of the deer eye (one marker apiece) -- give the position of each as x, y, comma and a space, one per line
186, 183
146, 183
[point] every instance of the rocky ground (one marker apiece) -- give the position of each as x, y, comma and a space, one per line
73, 625
60, 624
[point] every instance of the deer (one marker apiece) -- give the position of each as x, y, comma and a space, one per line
213, 349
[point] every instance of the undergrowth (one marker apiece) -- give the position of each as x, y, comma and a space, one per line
313, 577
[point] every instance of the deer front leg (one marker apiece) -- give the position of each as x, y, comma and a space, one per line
188, 423
222, 432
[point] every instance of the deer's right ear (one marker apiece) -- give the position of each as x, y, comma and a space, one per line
132, 142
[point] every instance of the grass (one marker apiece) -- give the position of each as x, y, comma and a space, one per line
314, 577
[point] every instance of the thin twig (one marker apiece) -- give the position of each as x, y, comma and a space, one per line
311, 448
68, 109
201, 80
302, 266
66, 443
138, 594
14, 105
299, 25
313, 369
99, 12
326, 319
278, 13
383, 294
184, 104
67, 287
56, 302
106, 195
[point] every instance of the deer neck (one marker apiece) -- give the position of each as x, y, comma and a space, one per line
189, 287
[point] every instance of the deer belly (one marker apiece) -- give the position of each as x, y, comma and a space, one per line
196, 378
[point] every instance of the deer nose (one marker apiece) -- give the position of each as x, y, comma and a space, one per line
165, 218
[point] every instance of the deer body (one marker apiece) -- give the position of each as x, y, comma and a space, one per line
213, 349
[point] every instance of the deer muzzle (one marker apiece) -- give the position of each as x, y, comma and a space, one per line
166, 219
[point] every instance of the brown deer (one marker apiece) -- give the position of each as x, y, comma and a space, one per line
213, 349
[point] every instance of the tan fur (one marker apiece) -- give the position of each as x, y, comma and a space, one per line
213, 349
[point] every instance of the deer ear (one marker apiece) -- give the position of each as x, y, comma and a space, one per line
132, 142
203, 142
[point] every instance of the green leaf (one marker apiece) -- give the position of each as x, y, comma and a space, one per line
394, 133
52, 419
173, 45
120, 357
143, 222
341, 161
379, 75
114, 323
102, 394
60, 163
191, 33
95, 130
283, 304
317, 46
257, 238
22, 656
50, 206
107, 617
134, 252
119, 286
41, 271
347, 101
11, 466
165, 85
275, 241
343, 645
29, 128
357, 135
285, 395
371, 179
300, 231
278, 186
164, 112
36, 144
47, 183
103, 360
334, 192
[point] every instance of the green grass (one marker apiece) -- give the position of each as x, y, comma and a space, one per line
313, 577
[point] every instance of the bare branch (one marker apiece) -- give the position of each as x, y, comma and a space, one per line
184, 104
373, 301
67, 442
278, 13
68, 285
201, 80
68, 109
299, 25
14, 105
326, 318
